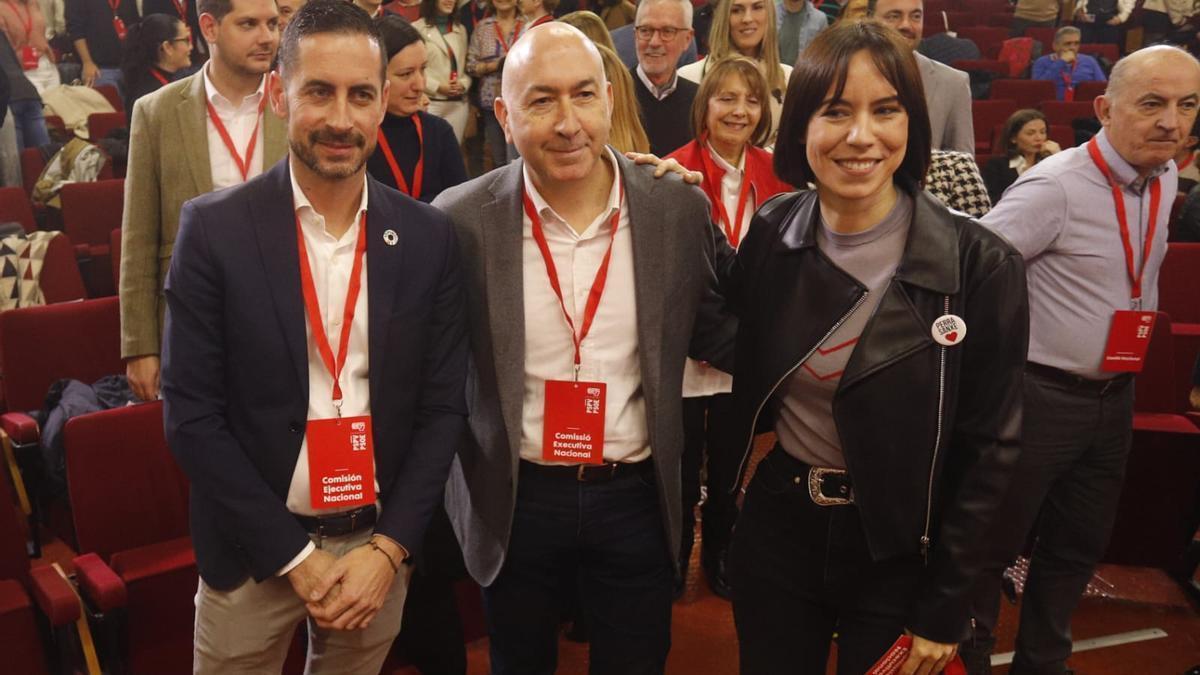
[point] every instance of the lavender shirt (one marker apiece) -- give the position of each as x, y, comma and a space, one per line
1060, 215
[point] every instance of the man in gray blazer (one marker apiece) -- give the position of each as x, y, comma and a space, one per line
947, 90
588, 283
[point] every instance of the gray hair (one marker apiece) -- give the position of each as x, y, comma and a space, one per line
1065, 31
685, 5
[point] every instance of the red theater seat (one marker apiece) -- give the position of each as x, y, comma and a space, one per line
23, 588
32, 165
91, 211
16, 208
100, 124
1065, 112
114, 250
39, 345
987, 38
1044, 36
130, 506
110, 93
1064, 135
1027, 93
60, 280
1107, 51
1087, 91
986, 116
1179, 283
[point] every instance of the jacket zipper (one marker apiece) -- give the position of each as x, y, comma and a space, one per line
937, 444
754, 421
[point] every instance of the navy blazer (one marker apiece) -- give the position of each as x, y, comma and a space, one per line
235, 369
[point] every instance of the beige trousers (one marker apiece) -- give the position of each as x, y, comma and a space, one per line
248, 629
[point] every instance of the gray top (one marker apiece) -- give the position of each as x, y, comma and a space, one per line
804, 406
797, 29
1060, 215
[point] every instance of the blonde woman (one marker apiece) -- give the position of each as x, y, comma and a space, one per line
446, 79
747, 27
627, 134
591, 25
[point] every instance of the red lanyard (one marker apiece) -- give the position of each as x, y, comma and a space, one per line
1188, 162
593, 300
1068, 78
418, 170
541, 20
500, 36
243, 163
163, 80
28, 21
313, 309
1135, 275
733, 231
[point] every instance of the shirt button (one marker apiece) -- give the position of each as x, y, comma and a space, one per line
295, 427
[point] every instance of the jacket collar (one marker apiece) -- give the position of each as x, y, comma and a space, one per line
930, 257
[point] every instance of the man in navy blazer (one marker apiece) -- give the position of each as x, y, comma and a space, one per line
285, 522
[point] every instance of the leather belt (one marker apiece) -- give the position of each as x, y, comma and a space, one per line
340, 524
590, 473
826, 486
1077, 382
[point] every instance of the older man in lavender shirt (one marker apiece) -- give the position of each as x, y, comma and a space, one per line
1063, 217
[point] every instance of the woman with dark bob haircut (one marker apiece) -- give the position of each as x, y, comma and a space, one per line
882, 339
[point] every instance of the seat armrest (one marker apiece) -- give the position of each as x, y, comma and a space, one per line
54, 596
99, 584
20, 427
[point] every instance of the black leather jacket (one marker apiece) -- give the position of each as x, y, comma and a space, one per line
930, 433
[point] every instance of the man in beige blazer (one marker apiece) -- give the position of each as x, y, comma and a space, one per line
204, 132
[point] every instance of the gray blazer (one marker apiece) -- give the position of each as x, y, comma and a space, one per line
680, 313
948, 96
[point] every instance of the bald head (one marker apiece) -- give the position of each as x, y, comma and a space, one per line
541, 50
1150, 105
555, 106
1143, 62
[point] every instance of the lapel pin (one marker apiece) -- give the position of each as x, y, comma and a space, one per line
390, 237
949, 330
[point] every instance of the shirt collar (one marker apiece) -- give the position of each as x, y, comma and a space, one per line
614, 193
721, 161
217, 99
1124, 173
315, 222
1019, 163
659, 92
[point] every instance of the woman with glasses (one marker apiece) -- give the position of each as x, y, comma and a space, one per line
882, 337
446, 80
155, 50
747, 27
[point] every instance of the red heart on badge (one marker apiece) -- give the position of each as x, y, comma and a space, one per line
952, 336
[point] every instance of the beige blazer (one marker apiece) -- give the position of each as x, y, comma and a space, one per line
168, 165
437, 68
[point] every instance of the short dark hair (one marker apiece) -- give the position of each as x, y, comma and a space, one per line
327, 16
1013, 126
395, 33
217, 8
825, 65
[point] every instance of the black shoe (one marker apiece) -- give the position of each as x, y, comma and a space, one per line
715, 574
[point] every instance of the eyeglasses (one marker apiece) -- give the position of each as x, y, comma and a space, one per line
667, 34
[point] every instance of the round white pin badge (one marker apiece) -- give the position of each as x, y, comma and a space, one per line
949, 330
390, 237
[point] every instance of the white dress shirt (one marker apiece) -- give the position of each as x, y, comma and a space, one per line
701, 379
610, 351
240, 120
656, 91
331, 261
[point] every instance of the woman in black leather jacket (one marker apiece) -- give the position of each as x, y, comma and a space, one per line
882, 338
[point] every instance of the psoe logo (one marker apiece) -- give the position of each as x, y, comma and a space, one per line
359, 426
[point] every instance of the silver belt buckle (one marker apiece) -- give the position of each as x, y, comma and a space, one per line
815, 475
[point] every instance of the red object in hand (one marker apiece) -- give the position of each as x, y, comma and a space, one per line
894, 659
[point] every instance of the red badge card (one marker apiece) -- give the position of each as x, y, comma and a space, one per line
29, 58
1128, 339
573, 424
895, 657
341, 468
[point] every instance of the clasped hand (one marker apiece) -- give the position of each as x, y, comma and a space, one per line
344, 593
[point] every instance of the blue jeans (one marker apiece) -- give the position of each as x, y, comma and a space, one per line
604, 540
31, 123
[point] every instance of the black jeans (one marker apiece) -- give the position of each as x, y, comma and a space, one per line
1073, 451
608, 538
709, 443
800, 572
1099, 32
